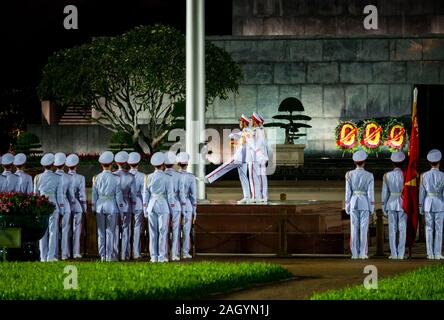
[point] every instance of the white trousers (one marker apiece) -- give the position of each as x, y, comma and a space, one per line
49, 243
175, 230
242, 168
66, 234
77, 218
138, 220
359, 221
158, 227
397, 223
123, 228
186, 232
434, 224
106, 226
258, 180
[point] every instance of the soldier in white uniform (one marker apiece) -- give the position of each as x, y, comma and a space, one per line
128, 185
2, 180
68, 195
239, 160
49, 184
359, 204
12, 180
25, 180
391, 201
107, 203
188, 202
431, 202
170, 160
257, 170
78, 207
158, 199
133, 162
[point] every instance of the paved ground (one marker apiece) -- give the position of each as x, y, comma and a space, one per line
314, 275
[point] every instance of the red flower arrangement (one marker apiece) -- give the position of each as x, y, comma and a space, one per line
22, 204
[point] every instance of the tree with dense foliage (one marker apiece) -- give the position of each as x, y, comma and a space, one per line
140, 74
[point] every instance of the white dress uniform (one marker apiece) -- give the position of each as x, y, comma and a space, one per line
134, 158
158, 198
170, 159
188, 201
391, 201
79, 205
257, 169
12, 180
68, 195
128, 185
359, 204
3, 183
431, 202
25, 184
239, 161
49, 184
107, 203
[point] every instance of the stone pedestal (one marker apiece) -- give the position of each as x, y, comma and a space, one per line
290, 155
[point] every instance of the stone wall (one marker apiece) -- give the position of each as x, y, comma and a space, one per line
335, 78
335, 17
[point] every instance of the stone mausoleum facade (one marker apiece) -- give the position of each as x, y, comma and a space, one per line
319, 52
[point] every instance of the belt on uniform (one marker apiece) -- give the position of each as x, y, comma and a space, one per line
158, 195
104, 197
396, 194
359, 193
433, 194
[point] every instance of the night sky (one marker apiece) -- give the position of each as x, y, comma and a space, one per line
31, 30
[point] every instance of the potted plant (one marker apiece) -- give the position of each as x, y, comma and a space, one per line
290, 153
30, 213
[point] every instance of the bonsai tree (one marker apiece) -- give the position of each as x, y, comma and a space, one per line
28, 143
292, 128
121, 140
140, 74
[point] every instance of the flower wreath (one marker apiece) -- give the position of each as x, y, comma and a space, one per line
346, 135
396, 134
371, 136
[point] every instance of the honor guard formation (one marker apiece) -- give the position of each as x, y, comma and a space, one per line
250, 156
167, 198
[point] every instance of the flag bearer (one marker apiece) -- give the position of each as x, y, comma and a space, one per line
25, 180
49, 184
68, 195
188, 201
391, 201
239, 160
133, 162
359, 204
107, 203
12, 180
158, 198
128, 185
431, 202
78, 207
170, 160
258, 175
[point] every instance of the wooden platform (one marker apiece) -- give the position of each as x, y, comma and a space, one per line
285, 227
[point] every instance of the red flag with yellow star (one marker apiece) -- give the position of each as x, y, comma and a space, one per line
410, 201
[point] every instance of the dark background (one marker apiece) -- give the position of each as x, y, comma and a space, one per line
31, 30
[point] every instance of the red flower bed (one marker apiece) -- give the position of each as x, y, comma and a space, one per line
21, 204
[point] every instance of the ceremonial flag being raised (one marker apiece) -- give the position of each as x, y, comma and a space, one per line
410, 192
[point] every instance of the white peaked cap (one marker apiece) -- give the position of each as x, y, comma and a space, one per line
72, 160
134, 158
170, 158
183, 158
244, 118
257, 117
7, 159
106, 157
434, 155
397, 156
121, 157
19, 159
47, 160
261, 117
59, 159
359, 156
158, 159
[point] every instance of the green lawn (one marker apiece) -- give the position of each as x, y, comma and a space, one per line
426, 283
110, 281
